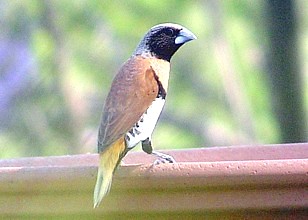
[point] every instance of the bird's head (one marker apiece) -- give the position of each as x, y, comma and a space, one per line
163, 40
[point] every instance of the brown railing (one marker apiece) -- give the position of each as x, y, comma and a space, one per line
246, 182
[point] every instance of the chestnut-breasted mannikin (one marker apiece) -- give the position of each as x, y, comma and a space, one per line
135, 101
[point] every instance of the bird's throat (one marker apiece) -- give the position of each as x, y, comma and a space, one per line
162, 70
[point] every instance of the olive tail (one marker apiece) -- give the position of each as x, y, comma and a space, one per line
108, 161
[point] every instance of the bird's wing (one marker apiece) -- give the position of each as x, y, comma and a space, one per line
133, 90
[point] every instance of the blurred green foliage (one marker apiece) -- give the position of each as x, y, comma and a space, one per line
58, 59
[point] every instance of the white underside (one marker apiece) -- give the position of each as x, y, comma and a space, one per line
146, 127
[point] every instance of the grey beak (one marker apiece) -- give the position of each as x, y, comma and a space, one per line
184, 36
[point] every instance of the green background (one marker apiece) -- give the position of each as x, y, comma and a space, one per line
58, 58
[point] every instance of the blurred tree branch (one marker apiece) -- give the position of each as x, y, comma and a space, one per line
73, 103
233, 88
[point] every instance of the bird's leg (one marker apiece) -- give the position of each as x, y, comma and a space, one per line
147, 146
162, 158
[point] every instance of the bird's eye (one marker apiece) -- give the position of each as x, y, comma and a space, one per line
169, 32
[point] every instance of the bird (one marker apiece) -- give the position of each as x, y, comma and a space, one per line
135, 101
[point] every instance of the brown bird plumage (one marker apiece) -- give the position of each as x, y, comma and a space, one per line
133, 90
135, 100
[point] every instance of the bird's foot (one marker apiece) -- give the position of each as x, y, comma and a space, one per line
162, 158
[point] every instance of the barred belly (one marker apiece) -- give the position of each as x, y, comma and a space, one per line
143, 129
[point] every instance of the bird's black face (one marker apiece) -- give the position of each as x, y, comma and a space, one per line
161, 42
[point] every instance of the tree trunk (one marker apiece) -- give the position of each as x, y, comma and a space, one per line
286, 82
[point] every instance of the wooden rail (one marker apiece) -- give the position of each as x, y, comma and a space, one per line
254, 182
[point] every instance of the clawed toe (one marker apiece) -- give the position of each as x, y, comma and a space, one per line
163, 158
